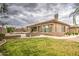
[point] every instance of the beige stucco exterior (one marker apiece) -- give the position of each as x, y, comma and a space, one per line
74, 29
52, 27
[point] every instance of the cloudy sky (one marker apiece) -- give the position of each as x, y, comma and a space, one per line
23, 14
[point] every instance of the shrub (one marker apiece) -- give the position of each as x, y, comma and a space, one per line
2, 35
76, 33
73, 33
68, 33
10, 29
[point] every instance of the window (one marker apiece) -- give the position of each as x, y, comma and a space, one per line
46, 28
51, 28
63, 28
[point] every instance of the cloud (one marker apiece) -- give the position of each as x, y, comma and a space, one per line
29, 13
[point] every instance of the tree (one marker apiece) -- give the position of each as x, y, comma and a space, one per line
3, 8
3, 13
74, 14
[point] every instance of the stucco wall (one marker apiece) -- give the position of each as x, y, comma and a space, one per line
49, 33
57, 29
74, 30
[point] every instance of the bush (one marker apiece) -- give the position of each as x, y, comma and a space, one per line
76, 33
68, 33
10, 29
71, 33
2, 35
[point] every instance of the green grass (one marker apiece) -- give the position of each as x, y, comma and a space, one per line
40, 47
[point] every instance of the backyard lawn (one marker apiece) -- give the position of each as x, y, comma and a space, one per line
40, 47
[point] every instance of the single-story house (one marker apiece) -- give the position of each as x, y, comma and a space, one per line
52, 27
20, 30
74, 29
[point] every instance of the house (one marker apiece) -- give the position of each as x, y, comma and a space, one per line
74, 29
20, 30
52, 27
